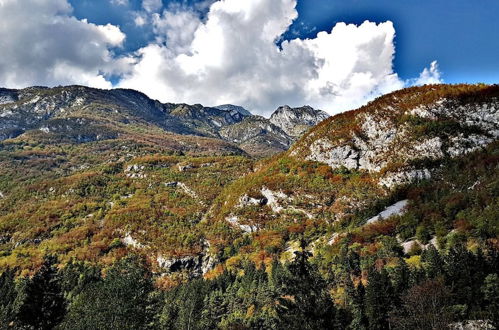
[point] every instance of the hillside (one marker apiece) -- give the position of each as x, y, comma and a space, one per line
399, 195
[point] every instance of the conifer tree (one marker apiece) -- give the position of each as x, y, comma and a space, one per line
7, 296
40, 302
306, 303
379, 299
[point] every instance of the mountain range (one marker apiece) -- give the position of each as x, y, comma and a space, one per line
400, 195
81, 114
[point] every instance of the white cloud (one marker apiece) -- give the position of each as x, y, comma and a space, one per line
228, 56
120, 2
152, 6
232, 58
43, 44
140, 19
430, 76
176, 26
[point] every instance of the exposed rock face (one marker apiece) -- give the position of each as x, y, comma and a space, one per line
324, 151
197, 265
257, 136
264, 137
230, 108
395, 209
296, 121
408, 245
7, 96
383, 135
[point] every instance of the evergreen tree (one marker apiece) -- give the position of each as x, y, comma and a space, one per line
306, 303
7, 298
183, 305
379, 299
119, 301
76, 276
40, 301
357, 296
434, 264
490, 291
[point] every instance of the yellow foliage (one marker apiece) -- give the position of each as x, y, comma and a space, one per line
414, 261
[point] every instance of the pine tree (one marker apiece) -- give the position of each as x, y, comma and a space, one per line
119, 301
7, 297
490, 291
40, 300
357, 296
305, 303
379, 299
434, 264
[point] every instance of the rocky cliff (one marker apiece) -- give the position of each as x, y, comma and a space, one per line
402, 133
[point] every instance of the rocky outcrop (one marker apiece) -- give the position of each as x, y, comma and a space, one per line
231, 108
296, 121
257, 136
393, 136
395, 209
7, 96
196, 265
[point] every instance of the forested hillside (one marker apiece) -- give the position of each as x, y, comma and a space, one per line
386, 217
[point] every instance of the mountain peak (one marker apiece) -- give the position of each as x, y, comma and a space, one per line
231, 107
295, 121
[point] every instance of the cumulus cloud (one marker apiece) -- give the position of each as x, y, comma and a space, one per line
214, 52
232, 57
176, 26
43, 44
430, 75
120, 2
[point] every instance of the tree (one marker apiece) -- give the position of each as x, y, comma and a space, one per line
490, 291
379, 299
183, 306
7, 296
423, 307
40, 301
357, 296
305, 302
434, 264
119, 301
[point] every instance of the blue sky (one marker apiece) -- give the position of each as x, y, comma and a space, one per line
462, 35
334, 55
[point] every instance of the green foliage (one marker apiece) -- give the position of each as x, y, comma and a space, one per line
119, 301
379, 300
8, 295
305, 302
40, 302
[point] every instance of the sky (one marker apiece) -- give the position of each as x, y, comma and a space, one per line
331, 54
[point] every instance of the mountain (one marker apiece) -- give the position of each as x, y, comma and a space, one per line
353, 161
81, 114
231, 108
296, 121
257, 136
356, 224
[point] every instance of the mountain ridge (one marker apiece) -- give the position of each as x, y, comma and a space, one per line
53, 109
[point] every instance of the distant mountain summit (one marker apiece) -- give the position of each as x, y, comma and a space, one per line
231, 107
78, 114
296, 121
